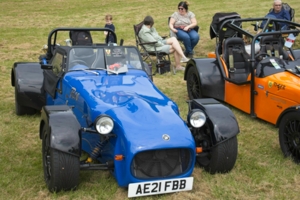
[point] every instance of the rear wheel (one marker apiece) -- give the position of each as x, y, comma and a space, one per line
289, 136
23, 110
19, 109
193, 84
61, 170
221, 158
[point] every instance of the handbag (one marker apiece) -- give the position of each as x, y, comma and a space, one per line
163, 66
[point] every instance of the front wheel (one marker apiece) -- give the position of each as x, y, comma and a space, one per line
289, 136
221, 158
193, 84
61, 170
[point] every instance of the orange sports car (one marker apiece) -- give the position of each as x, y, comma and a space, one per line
255, 68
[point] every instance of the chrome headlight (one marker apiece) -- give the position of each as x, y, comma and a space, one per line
196, 118
104, 124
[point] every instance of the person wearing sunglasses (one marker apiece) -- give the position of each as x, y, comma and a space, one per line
182, 23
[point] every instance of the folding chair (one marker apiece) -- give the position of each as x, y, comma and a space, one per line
275, 26
161, 58
288, 8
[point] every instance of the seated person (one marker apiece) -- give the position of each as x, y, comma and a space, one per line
182, 23
171, 45
278, 12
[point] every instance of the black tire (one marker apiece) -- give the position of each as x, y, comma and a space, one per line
61, 170
193, 84
19, 109
289, 136
222, 157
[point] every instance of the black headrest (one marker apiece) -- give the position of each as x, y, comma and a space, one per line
81, 37
234, 41
217, 21
270, 40
233, 44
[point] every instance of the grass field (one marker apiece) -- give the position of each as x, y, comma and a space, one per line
261, 171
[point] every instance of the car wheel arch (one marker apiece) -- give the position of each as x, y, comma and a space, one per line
55, 118
285, 112
190, 64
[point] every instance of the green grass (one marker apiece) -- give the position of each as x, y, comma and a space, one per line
261, 171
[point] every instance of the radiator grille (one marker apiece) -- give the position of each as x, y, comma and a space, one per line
161, 163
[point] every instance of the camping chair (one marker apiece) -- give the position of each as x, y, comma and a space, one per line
274, 26
288, 8
161, 58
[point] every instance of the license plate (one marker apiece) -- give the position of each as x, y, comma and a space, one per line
160, 187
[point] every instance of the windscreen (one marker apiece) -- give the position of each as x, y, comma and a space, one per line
109, 58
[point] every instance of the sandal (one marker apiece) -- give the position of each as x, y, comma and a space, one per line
180, 68
184, 60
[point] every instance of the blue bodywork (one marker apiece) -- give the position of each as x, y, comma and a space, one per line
141, 113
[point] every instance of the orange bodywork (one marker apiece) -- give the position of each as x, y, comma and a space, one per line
238, 96
273, 94
224, 67
211, 55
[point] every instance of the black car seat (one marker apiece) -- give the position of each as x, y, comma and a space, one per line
273, 46
236, 59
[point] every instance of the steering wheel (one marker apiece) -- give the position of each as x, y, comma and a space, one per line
78, 62
261, 54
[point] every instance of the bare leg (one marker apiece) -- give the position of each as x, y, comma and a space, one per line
176, 46
177, 57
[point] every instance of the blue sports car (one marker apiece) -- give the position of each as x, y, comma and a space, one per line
101, 110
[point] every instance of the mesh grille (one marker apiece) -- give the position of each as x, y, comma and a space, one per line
161, 163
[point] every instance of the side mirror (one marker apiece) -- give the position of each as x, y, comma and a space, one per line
46, 66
